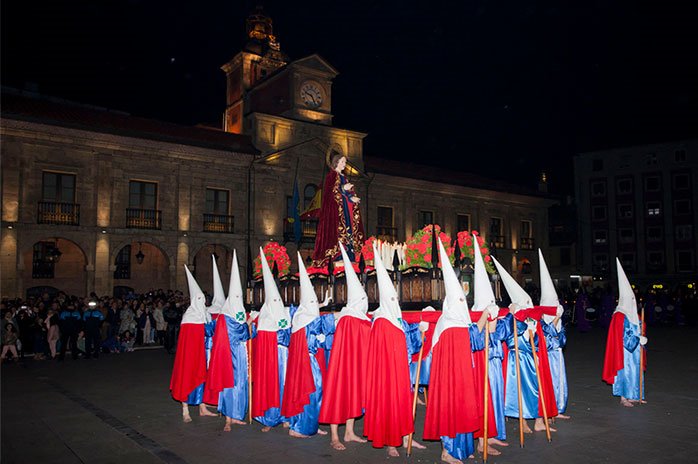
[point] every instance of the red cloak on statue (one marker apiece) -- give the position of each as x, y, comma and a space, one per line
343, 388
220, 364
299, 383
332, 226
388, 394
189, 369
453, 405
265, 373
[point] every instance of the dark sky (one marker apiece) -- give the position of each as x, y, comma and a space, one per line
501, 88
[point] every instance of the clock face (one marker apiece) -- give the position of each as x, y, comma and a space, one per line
311, 94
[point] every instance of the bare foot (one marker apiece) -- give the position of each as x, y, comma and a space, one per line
526, 428
415, 443
392, 452
186, 418
490, 451
286, 424
321, 432
420, 401
227, 427
626, 403
562, 416
449, 459
203, 411
336, 444
294, 434
237, 422
266, 429
539, 426
494, 441
353, 437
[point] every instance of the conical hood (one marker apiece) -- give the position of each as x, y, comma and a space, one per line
309, 308
357, 300
389, 306
626, 297
196, 312
273, 315
516, 293
218, 293
455, 307
483, 295
234, 305
548, 295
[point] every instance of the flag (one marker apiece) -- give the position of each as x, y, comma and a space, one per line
313, 209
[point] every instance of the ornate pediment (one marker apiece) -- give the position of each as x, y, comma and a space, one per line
316, 63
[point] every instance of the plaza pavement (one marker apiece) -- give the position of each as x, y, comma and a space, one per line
117, 409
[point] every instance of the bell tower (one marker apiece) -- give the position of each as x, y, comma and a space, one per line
261, 56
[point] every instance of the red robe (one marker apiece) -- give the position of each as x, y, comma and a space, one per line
189, 369
343, 388
265, 373
299, 383
388, 394
332, 226
220, 364
453, 406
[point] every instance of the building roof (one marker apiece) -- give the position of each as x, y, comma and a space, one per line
26, 106
445, 176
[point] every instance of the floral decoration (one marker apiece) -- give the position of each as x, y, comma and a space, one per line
418, 250
274, 253
467, 250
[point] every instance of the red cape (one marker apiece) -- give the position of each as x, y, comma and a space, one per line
546, 378
220, 364
613, 359
432, 317
388, 394
265, 373
479, 361
189, 369
453, 405
343, 388
299, 383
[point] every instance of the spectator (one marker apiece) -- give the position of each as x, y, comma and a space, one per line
52, 331
160, 324
93, 318
173, 317
69, 321
127, 341
9, 342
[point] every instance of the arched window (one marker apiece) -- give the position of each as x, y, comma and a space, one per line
123, 263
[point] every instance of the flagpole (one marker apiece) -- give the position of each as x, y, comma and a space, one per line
518, 381
540, 386
414, 397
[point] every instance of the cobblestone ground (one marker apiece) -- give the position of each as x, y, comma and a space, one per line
117, 409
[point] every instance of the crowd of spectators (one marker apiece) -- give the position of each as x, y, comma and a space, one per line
48, 327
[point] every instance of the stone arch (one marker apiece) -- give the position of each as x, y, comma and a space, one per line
67, 273
203, 269
153, 272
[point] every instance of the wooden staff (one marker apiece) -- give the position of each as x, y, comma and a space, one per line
416, 391
642, 367
249, 376
518, 383
486, 388
540, 386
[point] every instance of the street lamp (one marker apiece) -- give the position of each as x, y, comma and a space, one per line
140, 256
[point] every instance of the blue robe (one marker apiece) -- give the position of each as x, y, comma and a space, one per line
414, 338
555, 341
495, 375
196, 397
232, 402
529, 382
306, 423
627, 381
272, 416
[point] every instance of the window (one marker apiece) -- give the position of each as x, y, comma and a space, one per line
652, 184
309, 193
684, 261
142, 195
600, 262
217, 201
651, 159
58, 187
684, 232
426, 218
526, 239
653, 209
598, 213
565, 256
627, 260
123, 263
681, 181
624, 186
654, 234
625, 211
680, 156
43, 266
597, 165
462, 222
625, 161
655, 258
385, 216
496, 232
626, 235
600, 237
682, 207
598, 189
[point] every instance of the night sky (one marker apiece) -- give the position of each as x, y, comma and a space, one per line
500, 88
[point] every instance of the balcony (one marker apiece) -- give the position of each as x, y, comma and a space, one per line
50, 212
308, 231
386, 233
143, 218
497, 241
527, 243
219, 223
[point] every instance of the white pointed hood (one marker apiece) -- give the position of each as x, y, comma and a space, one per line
309, 308
234, 305
626, 297
389, 305
455, 307
483, 295
196, 312
517, 294
357, 300
273, 315
548, 295
218, 294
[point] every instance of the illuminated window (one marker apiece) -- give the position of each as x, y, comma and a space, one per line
653, 208
600, 237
